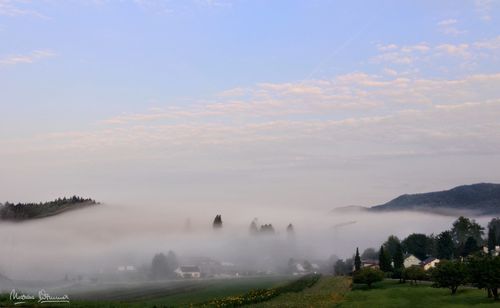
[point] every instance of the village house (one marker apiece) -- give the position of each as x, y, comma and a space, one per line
429, 263
369, 263
192, 272
411, 260
495, 252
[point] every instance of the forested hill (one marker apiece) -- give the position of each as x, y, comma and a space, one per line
25, 211
482, 199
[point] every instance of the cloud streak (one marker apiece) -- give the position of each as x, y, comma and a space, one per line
29, 58
15, 8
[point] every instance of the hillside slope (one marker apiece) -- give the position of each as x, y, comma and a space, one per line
481, 199
26, 211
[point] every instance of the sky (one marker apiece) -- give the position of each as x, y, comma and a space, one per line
213, 104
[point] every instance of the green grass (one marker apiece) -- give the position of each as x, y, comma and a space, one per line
337, 292
390, 293
327, 292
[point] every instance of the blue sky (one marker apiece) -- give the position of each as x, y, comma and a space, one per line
281, 93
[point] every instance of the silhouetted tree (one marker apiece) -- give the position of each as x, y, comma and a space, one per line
462, 229
384, 260
444, 245
484, 272
159, 266
414, 273
357, 260
369, 254
253, 230
391, 245
495, 222
449, 274
267, 229
470, 247
417, 244
307, 265
217, 222
172, 263
339, 268
492, 238
398, 260
368, 276
290, 232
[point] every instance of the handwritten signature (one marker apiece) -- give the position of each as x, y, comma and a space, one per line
43, 297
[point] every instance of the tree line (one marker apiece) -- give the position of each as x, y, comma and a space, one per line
21, 211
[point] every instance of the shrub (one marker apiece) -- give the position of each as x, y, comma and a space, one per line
262, 295
414, 273
368, 276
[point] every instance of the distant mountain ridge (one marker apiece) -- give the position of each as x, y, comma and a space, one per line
480, 199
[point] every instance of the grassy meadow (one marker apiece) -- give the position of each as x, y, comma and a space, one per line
329, 291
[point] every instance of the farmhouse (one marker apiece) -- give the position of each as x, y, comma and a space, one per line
369, 263
494, 252
429, 263
411, 260
189, 272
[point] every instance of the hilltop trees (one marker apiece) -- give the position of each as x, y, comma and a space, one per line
217, 224
267, 229
290, 232
253, 230
25, 211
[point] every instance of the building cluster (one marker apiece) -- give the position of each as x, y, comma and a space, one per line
409, 260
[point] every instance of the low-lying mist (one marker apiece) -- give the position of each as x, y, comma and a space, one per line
100, 239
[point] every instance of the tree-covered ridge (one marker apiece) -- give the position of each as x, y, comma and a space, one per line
483, 198
24, 211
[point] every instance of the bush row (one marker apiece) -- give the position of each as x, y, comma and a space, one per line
262, 295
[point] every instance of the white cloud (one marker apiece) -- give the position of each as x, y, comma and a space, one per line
29, 58
449, 27
483, 8
440, 57
447, 22
15, 8
461, 50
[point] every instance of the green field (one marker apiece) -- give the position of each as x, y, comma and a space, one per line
167, 294
393, 294
327, 292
